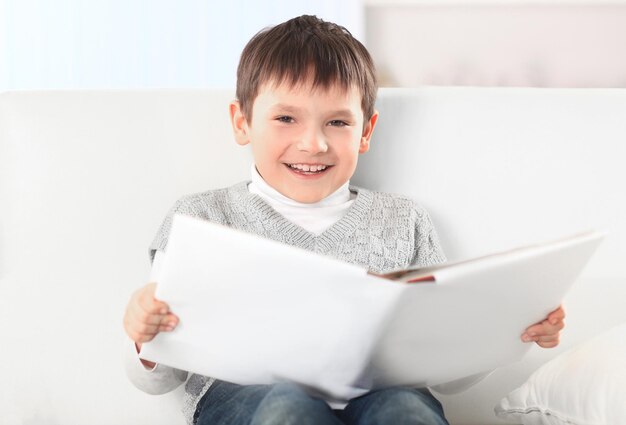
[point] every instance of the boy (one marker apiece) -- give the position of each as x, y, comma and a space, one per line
305, 103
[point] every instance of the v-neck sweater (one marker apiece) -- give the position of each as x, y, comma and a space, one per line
380, 232
315, 217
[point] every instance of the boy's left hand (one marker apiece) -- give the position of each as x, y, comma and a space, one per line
546, 333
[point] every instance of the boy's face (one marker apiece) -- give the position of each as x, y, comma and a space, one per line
305, 141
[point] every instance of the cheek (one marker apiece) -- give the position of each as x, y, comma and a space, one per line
275, 137
348, 154
285, 136
353, 145
344, 138
268, 150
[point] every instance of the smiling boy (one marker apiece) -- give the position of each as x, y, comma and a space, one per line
305, 103
305, 139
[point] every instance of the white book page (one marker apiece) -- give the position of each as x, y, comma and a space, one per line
254, 310
471, 318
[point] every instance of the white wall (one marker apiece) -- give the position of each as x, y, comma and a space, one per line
196, 43
141, 43
499, 43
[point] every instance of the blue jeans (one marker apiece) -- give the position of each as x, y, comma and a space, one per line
286, 404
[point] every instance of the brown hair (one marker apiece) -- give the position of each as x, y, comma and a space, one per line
301, 48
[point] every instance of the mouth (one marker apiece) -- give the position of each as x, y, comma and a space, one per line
308, 169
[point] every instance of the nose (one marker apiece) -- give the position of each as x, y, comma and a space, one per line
313, 142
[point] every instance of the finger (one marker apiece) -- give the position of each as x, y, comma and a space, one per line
139, 334
544, 332
548, 344
547, 338
141, 338
545, 328
166, 328
146, 318
136, 324
153, 324
142, 327
550, 328
541, 338
155, 306
557, 315
169, 323
144, 330
145, 299
553, 317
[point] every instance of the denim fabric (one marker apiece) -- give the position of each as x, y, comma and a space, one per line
398, 406
284, 404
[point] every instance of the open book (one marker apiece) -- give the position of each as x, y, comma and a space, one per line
254, 310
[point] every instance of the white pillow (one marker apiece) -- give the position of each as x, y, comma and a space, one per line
583, 386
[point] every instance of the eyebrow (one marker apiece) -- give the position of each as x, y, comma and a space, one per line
294, 109
285, 107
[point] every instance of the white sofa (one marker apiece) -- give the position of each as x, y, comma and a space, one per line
87, 176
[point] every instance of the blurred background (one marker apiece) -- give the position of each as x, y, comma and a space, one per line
116, 44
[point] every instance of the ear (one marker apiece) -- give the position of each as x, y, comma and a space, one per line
368, 129
239, 123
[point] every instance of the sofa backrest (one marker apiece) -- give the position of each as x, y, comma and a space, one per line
498, 167
87, 176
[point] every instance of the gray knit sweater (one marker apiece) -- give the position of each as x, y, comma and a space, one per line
380, 232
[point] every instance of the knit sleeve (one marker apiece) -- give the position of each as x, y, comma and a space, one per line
159, 380
160, 239
427, 250
207, 205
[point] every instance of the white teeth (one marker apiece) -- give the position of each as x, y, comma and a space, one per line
308, 168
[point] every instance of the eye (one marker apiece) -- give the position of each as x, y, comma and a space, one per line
338, 123
286, 119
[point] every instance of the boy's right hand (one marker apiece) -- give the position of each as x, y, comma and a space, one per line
146, 316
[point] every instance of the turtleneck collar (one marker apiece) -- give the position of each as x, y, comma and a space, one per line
268, 193
316, 217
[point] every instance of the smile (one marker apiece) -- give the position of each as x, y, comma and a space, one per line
308, 168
